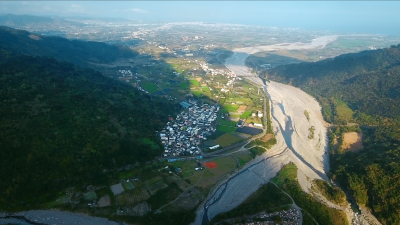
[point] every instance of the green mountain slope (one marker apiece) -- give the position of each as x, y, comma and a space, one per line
363, 88
75, 51
368, 82
62, 126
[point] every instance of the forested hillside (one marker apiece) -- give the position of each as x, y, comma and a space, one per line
362, 88
61, 126
75, 51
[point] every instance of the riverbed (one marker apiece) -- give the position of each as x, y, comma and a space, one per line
292, 130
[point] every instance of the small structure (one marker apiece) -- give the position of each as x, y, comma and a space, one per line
117, 189
214, 147
178, 170
240, 123
185, 104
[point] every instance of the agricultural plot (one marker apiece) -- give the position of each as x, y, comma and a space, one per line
245, 115
229, 108
155, 184
181, 184
227, 123
132, 197
187, 167
205, 89
90, 196
194, 83
149, 86
183, 86
187, 201
211, 176
128, 186
243, 157
227, 139
226, 129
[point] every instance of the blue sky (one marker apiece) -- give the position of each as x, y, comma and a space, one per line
347, 16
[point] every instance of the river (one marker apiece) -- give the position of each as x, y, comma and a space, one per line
291, 128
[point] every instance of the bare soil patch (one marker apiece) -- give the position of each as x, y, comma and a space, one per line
352, 141
34, 37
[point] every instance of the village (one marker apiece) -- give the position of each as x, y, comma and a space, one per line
286, 217
183, 135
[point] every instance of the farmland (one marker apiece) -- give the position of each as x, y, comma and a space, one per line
227, 139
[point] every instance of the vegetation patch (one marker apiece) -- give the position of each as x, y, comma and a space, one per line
127, 186
230, 108
243, 157
226, 129
183, 86
194, 83
331, 193
211, 176
267, 198
311, 134
132, 197
307, 115
155, 184
245, 114
149, 86
287, 180
255, 151
227, 139
164, 196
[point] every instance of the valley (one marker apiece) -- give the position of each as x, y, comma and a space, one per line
179, 124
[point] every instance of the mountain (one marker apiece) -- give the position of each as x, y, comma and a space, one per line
79, 52
361, 88
27, 21
62, 125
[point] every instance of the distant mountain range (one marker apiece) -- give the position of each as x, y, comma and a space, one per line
75, 51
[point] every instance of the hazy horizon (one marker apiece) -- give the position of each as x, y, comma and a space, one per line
337, 16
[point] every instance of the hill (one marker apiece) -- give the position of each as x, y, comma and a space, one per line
62, 126
79, 52
362, 88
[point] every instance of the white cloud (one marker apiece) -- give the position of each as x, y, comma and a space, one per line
137, 10
77, 9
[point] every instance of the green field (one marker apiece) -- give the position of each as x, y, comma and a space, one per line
245, 115
289, 172
183, 85
230, 108
243, 157
128, 186
149, 86
212, 176
227, 139
194, 83
187, 167
197, 93
90, 196
205, 88
227, 123
155, 184
226, 129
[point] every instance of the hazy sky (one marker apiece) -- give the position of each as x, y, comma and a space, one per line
349, 16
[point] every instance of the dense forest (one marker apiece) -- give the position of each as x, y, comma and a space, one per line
75, 51
62, 125
361, 88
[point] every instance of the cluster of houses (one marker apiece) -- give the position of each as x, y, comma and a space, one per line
289, 217
183, 135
